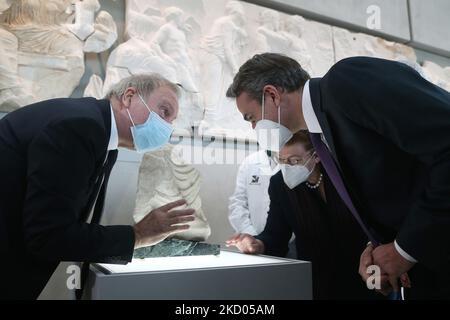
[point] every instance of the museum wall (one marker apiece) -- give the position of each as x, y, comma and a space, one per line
112, 41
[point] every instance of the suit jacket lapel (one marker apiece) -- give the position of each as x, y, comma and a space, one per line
105, 111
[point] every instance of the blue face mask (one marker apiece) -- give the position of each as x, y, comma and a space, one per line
151, 135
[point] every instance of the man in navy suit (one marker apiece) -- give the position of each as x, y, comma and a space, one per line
55, 160
387, 130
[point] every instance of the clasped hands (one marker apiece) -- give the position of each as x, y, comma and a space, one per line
393, 267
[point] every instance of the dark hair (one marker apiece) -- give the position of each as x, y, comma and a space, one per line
267, 68
302, 137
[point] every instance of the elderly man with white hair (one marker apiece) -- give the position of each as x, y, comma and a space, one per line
56, 159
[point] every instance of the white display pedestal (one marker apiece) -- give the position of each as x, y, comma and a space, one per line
229, 276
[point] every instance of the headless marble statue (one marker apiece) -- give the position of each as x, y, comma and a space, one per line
164, 177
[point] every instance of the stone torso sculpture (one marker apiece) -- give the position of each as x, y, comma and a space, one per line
163, 178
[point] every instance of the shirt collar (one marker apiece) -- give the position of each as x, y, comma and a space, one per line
114, 136
309, 115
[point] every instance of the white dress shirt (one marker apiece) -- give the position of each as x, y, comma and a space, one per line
114, 135
313, 125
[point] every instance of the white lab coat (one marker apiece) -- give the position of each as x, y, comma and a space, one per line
249, 205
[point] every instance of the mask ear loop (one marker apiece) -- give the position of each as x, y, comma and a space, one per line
129, 115
262, 104
279, 114
145, 104
313, 154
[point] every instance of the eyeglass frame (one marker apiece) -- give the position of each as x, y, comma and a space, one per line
301, 162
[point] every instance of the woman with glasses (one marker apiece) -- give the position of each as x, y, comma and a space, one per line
305, 203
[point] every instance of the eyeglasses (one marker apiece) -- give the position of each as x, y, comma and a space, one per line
293, 160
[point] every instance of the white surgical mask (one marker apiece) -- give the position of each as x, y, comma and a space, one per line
271, 136
293, 175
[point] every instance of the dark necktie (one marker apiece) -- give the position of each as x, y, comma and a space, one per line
333, 172
100, 191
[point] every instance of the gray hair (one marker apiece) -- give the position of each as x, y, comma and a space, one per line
145, 84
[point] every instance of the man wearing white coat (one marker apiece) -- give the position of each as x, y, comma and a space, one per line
250, 202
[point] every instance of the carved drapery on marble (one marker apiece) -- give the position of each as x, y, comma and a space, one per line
43, 50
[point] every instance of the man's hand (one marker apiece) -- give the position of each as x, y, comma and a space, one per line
387, 283
365, 261
246, 243
391, 263
161, 223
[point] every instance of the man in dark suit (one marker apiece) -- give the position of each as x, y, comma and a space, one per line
55, 161
387, 130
